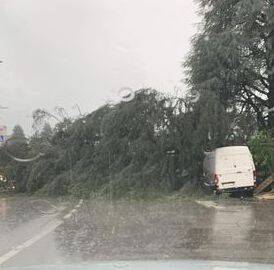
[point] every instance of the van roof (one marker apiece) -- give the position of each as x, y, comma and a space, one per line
232, 150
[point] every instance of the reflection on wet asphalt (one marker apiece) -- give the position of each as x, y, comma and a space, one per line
101, 230
15, 212
21, 219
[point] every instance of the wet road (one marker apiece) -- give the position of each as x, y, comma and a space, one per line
43, 232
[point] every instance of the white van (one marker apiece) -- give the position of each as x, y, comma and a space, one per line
229, 169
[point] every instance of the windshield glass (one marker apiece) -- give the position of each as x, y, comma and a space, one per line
119, 124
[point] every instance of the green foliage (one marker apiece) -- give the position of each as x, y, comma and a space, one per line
149, 144
262, 148
232, 54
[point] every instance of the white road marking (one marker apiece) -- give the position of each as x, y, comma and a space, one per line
210, 204
29, 242
53, 225
73, 211
67, 216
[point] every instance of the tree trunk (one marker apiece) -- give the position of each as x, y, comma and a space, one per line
271, 68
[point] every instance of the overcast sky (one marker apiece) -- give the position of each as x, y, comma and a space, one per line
67, 52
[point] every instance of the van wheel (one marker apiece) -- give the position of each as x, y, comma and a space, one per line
217, 192
249, 193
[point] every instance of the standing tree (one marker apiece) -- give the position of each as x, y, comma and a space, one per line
270, 67
18, 132
17, 146
17, 143
233, 56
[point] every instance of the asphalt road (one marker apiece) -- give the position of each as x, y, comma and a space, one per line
47, 232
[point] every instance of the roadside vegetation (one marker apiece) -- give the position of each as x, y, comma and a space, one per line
154, 142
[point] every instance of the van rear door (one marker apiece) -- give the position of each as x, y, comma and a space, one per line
235, 170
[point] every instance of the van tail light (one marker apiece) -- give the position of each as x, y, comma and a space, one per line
216, 179
254, 176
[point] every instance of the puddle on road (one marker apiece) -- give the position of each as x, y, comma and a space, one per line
15, 211
129, 230
175, 230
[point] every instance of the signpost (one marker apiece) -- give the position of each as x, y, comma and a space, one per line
3, 134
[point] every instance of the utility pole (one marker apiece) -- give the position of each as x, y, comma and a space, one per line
1, 106
3, 128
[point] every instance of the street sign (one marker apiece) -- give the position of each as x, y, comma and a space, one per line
3, 134
2, 138
3, 130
